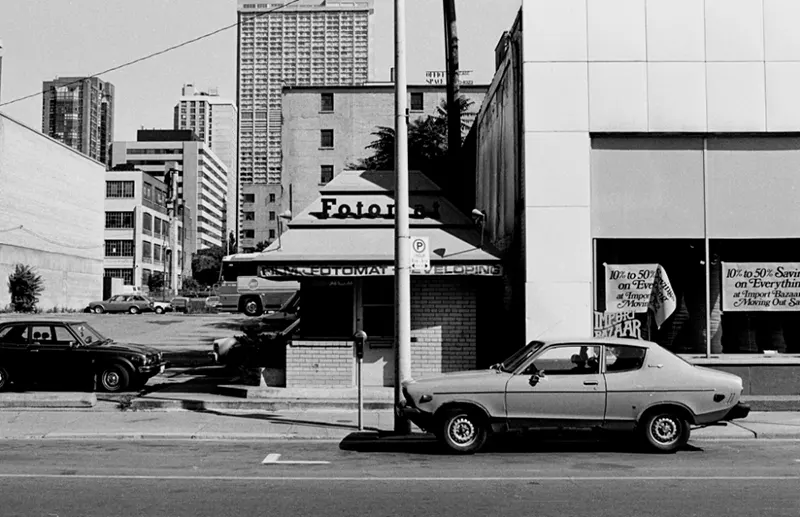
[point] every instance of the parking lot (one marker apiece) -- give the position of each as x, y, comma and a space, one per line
169, 332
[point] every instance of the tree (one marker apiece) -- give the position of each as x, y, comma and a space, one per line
156, 281
206, 264
427, 143
231, 243
25, 286
451, 52
261, 246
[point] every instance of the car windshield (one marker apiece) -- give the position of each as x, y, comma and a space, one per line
520, 356
87, 334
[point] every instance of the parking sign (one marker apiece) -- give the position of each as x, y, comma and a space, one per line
420, 253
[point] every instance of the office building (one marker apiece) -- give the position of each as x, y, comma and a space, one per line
79, 112
309, 43
202, 179
51, 216
138, 239
213, 119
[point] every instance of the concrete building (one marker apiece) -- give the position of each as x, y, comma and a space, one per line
138, 235
214, 120
325, 129
202, 179
312, 42
648, 141
51, 216
79, 112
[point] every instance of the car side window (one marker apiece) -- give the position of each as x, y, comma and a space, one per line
61, 335
623, 358
14, 334
115, 298
567, 360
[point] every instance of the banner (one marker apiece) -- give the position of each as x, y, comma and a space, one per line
377, 270
760, 286
617, 324
639, 288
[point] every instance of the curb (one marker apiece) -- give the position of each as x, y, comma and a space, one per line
35, 401
145, 404
170, 436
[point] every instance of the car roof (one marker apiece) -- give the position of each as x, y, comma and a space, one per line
43, 322
615, 341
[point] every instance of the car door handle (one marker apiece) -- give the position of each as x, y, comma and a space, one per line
590, 383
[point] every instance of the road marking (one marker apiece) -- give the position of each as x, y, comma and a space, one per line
406, 479
274, 459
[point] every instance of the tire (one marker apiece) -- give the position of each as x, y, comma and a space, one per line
98, 309
113, 378
463, 431
665, 431
134, 309
5, 381
159, 310
252, 307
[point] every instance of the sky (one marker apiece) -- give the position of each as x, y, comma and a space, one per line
43, 39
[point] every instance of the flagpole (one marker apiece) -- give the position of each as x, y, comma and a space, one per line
706, 246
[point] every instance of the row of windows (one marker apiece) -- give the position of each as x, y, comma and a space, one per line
251, 216
251, 234
120, 189
116, 220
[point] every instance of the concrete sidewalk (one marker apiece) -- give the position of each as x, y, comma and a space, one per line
260, 425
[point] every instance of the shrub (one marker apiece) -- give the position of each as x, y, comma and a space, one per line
25, 287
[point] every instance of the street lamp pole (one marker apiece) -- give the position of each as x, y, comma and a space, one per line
402, 249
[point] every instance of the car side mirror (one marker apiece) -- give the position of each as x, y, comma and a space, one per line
536, 377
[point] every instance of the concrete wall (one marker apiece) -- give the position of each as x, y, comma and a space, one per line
55, 195
643, 66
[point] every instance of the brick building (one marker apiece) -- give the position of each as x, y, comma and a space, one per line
341, 248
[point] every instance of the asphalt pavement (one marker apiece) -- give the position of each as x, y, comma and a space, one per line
358, 477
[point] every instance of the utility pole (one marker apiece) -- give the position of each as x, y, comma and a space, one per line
453, 108
1, 69
402, 246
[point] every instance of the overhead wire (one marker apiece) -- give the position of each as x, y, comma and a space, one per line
154, 54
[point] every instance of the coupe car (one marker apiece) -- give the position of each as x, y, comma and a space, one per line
595, 383
72, 351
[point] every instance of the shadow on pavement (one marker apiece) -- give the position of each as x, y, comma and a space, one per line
280, 419
511, 443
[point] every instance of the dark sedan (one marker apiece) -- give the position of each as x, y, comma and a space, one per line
49, 350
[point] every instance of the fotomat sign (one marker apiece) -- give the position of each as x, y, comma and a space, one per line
332, 207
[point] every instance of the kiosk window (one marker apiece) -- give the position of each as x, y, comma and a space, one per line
327, 311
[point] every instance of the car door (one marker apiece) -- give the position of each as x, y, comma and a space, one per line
53, 356
14, 350
628, 385
115, 303
560, 386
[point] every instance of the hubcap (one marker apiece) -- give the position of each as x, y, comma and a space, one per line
462, 431
665, 429
111, 379
98, 310
251, 306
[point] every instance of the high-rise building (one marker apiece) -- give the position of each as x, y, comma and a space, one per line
309, 43
201, 185
79, 111
213, 120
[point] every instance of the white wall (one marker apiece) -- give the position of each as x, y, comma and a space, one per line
56, 195
633, 66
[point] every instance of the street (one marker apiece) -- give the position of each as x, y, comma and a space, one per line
395, 477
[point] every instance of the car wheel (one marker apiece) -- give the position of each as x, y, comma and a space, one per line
159, 310
463, 432
134, 309
98, 309
252, 307
5, 382
113, 378
665, 431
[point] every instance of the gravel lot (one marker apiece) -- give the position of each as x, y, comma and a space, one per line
168, 332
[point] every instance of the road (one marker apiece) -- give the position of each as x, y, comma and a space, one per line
387, 478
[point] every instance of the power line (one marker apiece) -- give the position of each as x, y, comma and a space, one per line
49, 240
154, 54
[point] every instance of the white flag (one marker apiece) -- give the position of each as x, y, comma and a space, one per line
663, 301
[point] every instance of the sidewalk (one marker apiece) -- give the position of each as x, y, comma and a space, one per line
98, 423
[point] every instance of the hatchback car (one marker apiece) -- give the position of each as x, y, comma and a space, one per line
612, 384
132, 303
72, 351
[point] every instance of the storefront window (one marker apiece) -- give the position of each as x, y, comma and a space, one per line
377, 300
328, 309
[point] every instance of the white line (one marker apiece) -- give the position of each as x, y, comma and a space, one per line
274, 459
408, 479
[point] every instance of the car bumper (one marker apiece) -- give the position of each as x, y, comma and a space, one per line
740, 410
421, 419
152, 369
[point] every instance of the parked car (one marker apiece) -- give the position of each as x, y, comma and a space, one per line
44, 350
132, 303
162, 307
612, 384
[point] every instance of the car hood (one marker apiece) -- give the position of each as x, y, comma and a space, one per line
113, 346
457, 381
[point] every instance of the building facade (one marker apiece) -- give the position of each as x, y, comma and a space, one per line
312, 42
139, 239
326, 129
202, 180
51, 216
79, 112
213, 119
655, 163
